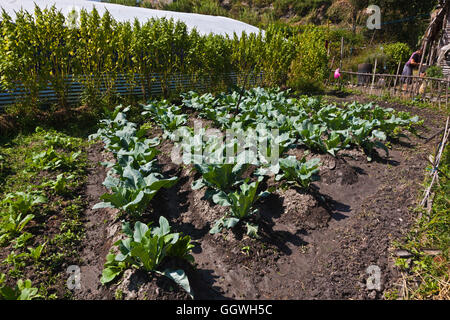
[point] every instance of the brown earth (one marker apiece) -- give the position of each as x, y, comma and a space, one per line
314, 245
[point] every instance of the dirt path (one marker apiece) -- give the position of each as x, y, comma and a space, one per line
98, 237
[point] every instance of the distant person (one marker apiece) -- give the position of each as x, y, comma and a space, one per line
412, 63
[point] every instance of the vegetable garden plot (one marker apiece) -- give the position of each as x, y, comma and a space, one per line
227, 222
243, 216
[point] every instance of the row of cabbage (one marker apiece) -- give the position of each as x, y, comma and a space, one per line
133, 179
254, 114
307, 120
222, 174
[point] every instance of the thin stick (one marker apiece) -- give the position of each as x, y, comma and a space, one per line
396, 77
331, 68
446, 94
439, 170
373, 77
437, 161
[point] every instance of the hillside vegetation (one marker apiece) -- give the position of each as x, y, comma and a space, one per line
402, 19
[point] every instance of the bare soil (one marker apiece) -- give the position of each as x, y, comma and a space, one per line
315, 245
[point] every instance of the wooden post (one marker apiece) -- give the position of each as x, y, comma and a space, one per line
410, 86
396, 77
431, 90
373, 77
331, 68
424, 50
341, 62
413, 87
446, 93
431, 55
388, 84
439, 93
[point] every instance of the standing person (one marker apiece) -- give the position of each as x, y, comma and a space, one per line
412, 63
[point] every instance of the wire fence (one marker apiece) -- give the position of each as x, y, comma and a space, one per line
434, 90
137, 85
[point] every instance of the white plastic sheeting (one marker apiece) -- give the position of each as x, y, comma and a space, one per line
204, 24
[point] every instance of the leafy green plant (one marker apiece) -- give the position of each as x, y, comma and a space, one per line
134, 191
21, 240
23, 202
14, 223
364, 135
141, 156
311, 135
219, 178
17, 214
57, 140
300, 172
35, 253
22, 291
334, 142
52, 160
61, 185
168, 117
241, 207
17, 261
146, 248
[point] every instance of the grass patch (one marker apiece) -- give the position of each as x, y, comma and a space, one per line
426, 276
42, 175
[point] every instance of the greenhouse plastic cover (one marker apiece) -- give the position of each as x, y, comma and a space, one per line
204, 24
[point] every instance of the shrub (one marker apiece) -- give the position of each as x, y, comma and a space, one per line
310, 68
435, 72
397, 53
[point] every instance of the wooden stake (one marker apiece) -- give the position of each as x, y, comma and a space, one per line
331, 68
373, 77
424, 49
396, 77
439, 93
446, 94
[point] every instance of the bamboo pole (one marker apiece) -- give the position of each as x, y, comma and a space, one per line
432, 91
373, 77
396, 77
439, 93
411, 88
424, 50
446, 94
